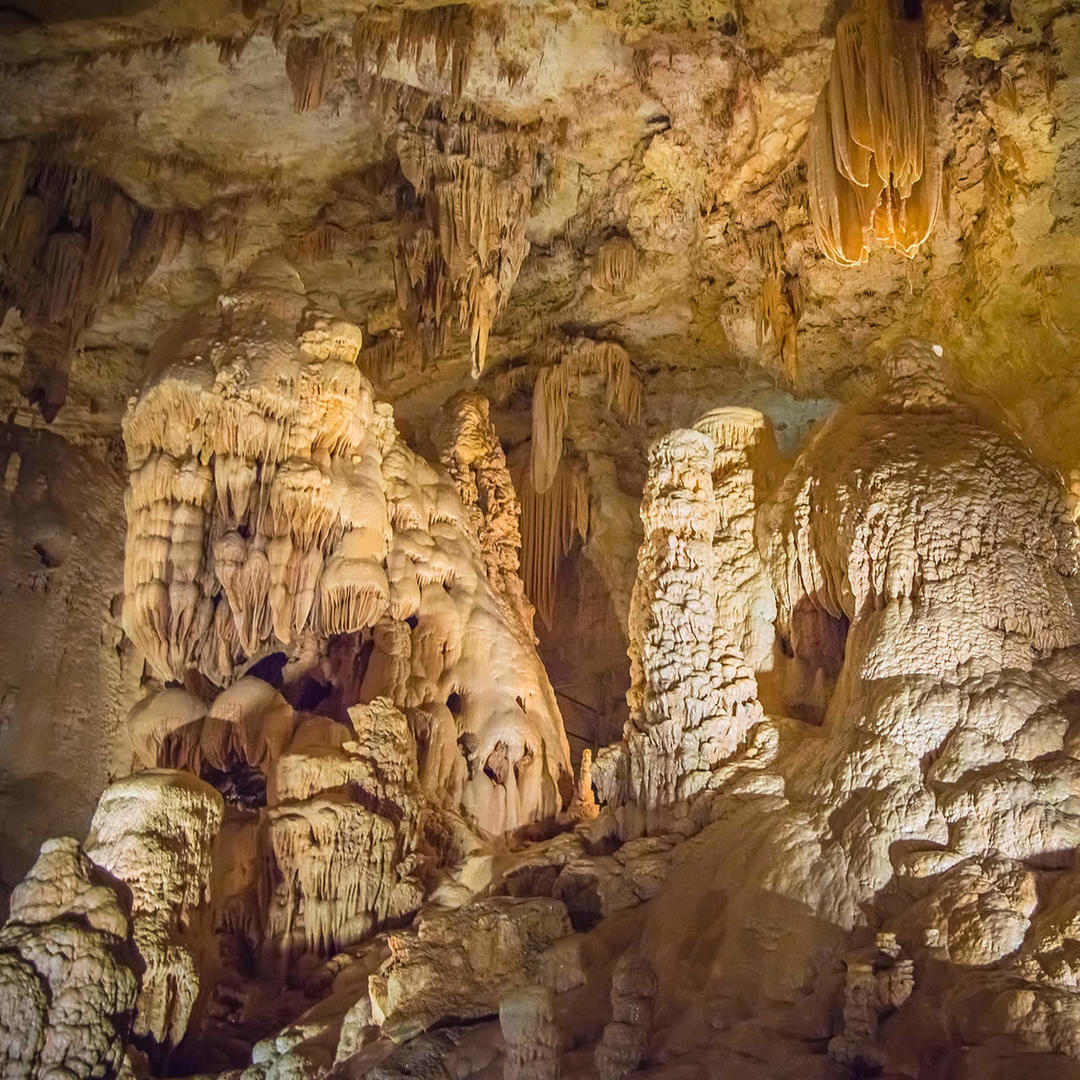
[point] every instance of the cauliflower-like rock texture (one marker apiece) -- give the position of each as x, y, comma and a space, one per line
67, 985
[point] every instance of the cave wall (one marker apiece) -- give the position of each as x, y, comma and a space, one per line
68, 676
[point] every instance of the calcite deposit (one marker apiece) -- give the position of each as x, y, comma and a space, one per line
539, 541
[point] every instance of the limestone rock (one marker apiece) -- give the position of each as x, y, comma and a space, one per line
527, 1021
156, 833
67, 988
461, 963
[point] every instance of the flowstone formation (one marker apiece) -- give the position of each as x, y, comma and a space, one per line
916, 539
275, 516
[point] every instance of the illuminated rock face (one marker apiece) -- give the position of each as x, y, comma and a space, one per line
272, 508
921, 549
67, 987
885, 879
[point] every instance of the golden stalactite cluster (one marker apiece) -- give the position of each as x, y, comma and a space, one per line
447, 30
311, 65
874, 164
475, 183
779, 302
615, 265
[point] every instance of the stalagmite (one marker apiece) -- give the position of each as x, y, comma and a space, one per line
67, 988
626, 1039
527, 1021
692, 695
745, 465
874, 160
877, 980
156, 833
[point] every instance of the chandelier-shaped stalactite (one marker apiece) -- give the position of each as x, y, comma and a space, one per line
446, 31
874, 162
473, 183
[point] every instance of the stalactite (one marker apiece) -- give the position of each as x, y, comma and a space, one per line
777, 309
558, 373
615, 266
311, 64
448, 30
65, 254
68, 239
874, 161
319, 242
46, 367
475, 183
549, 521
14, 158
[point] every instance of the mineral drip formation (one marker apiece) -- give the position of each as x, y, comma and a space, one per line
919, 539
156, 832
693, 695
272, 509
554, 489
626, 1038
68, 240
527, 1020
475, 183
469, 449
67, 988
875, 168
345, 830
560, 370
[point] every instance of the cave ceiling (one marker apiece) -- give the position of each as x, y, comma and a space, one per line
680, 126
